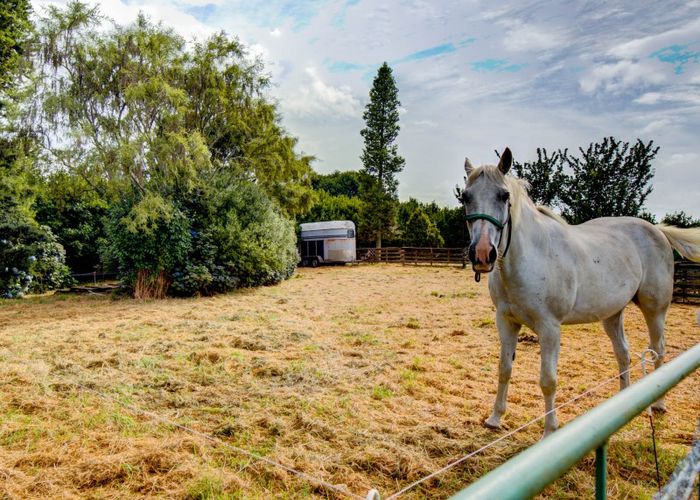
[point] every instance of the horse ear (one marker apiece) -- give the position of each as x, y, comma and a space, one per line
506, 161
468, 167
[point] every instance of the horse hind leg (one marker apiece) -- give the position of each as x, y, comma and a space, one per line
655, 316
614, 327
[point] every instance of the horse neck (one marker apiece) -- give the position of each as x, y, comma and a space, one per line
526, 237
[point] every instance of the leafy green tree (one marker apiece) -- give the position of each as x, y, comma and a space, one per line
647, 216
448, 222
77, 216
680, 219
18, 177
380, 159
452, 226
31, 260
163, 131
610, 179
240, 127
329, 207
15, 29
346, 183
420, 231
544, 175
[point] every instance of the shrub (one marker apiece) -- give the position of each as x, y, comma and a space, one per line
213, 242
147, 238
31, 260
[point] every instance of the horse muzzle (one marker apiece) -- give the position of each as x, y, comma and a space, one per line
480, 267
482, 258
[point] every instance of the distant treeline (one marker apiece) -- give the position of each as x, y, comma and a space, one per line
128, 149
417, 223
608, 178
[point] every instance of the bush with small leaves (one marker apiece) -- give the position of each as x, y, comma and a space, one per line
31, 260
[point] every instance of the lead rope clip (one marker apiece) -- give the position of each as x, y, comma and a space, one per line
477, 276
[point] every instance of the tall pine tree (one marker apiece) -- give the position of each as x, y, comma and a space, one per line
380, 159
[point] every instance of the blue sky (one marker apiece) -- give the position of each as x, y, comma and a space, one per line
473, 76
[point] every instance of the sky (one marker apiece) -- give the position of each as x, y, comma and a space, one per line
473, 76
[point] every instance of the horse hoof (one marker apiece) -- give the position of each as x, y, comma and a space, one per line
490, 424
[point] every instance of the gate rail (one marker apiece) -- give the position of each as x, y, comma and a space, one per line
686, 283
528, 473
414, 255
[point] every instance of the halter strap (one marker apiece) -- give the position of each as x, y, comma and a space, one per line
500, 225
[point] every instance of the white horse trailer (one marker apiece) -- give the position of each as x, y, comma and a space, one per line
327, 242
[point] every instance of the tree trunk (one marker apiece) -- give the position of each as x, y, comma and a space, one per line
151, 285
379, 239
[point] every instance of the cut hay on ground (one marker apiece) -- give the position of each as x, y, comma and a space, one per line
368, 376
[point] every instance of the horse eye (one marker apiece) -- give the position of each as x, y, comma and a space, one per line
503, 196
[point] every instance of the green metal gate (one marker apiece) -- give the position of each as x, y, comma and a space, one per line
531, 471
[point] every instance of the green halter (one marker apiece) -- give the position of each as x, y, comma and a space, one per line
500, 225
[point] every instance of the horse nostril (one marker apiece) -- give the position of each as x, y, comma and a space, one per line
493, 255
472, 252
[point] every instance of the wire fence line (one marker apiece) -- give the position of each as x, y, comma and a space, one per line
514, 431
372, 494
259, 458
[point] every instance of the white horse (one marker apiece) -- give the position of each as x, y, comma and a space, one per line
548, 273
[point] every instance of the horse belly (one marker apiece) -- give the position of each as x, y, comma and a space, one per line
595, 303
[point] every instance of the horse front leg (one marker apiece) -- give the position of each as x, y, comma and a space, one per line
508, 336
549, 336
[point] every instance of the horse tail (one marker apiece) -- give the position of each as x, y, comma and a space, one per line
686, 241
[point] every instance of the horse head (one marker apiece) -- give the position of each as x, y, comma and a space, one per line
486, 202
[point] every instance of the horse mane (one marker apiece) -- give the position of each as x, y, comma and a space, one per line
518, 189
551, 214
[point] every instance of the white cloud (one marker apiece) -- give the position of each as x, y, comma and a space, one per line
200, 3
630, 65
315, 98
643, 46
425, 123
522, 37
258, 51
587, 75
620, 76
656, 126
683, 158
648, 98
681, 94
171, 14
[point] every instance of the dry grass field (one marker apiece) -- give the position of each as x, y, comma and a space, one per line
364, 376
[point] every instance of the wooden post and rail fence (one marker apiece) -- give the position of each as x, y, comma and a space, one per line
686, 287
686, 283
414, 256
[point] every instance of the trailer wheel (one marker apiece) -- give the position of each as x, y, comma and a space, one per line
313, 262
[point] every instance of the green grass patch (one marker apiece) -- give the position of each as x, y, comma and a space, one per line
380, 392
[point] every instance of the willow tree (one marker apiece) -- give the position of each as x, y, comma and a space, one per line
380, 159
31, 259
15, 172
180, 140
